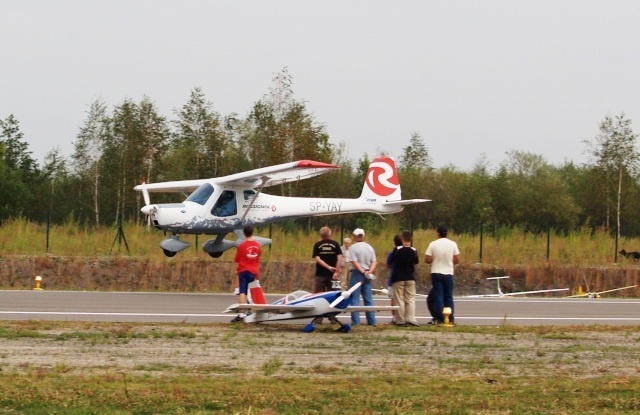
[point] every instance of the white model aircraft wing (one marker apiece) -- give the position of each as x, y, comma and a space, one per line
272, 308
516, 293
365, 308
278, 174
601, 292
385, 291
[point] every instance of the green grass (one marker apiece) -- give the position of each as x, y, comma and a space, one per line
465, 370
503, 247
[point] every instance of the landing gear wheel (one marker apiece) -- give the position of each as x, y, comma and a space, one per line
215, 254
345, 328
169, 253
309, 328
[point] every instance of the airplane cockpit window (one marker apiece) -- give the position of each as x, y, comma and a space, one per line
295, 295
248, 194
226, 204
201, 194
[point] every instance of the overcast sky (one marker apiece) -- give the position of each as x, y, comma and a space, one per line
472, 77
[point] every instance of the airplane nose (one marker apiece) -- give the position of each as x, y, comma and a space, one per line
148, 210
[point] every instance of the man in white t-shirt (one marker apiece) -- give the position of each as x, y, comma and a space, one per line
443, 255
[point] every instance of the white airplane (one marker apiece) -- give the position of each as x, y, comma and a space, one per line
501, 294
220, 205
301, 305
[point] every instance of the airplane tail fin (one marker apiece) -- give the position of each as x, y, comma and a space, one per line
382, 180
257, 295
382, 185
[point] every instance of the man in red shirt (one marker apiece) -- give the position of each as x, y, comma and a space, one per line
248, 259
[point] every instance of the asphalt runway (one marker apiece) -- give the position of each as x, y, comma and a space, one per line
207, 308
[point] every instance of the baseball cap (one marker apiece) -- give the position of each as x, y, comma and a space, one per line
359, 231
442, 230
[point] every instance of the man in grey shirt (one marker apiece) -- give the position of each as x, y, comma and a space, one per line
363, 265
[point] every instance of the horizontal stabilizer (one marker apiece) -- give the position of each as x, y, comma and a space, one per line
405, 202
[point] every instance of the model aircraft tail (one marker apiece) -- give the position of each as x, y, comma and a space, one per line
382, 184
257, 295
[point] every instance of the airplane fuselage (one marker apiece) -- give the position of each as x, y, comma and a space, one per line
193, 218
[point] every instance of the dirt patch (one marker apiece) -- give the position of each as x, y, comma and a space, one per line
220, 349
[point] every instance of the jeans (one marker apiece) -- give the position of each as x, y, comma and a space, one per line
442, 295
367, 297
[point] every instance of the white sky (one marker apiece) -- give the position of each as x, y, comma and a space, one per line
472, 77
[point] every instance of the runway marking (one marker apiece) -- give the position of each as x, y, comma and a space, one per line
458, 318
79, 313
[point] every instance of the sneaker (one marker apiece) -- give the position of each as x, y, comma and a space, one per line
237, 319
434, 322
413, 323
399, 324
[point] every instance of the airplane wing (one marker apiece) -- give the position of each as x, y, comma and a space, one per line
385, 291
516, 293
180, 186
365, 308
271, 308
278, 174
601, 292
535, 292
272, 175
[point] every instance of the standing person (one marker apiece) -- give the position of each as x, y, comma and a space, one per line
443, 255
397, 241
346, 262
328, 256
363, 265
248, 259
404, 259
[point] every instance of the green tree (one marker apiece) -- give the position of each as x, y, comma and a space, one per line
88, 152
415, 170
19, 170
279, 129
614, 151
200, 141
541, 198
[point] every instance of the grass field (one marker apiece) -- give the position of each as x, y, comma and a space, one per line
501, 247
123, 368
102, 368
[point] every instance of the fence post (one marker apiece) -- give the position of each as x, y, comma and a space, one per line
481, 236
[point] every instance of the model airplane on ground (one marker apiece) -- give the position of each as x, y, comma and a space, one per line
221, 205
501, 294
597, 294
301, 305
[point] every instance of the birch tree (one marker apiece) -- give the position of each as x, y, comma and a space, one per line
614, 151
88, 149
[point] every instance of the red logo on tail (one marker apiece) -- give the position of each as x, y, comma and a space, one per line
382, 176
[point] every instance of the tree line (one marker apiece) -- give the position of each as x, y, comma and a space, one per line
116, 149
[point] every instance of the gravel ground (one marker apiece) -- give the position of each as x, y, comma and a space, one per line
221, 349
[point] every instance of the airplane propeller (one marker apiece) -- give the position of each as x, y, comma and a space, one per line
344, 295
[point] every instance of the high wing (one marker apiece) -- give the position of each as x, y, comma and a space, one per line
272, 308
262, 177
278, 174
180, 186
